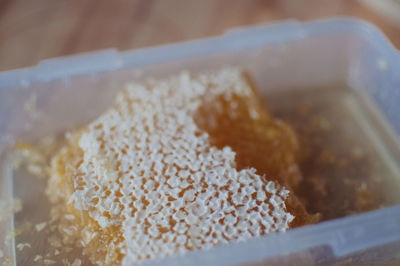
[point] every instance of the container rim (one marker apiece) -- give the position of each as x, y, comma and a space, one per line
236, 39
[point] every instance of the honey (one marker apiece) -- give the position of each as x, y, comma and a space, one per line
175, 165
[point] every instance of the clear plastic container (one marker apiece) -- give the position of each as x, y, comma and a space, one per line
344, 64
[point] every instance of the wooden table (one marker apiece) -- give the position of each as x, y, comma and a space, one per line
31, 31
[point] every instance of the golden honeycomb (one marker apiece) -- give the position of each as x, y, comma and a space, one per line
180, 164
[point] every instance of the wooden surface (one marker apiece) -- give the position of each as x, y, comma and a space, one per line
31, 31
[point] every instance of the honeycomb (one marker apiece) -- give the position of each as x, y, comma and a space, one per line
175, 165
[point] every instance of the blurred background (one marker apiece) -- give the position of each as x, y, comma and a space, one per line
31, 31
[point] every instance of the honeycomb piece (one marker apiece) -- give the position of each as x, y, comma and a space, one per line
153, 176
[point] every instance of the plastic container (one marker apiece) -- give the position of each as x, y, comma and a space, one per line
286, 58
